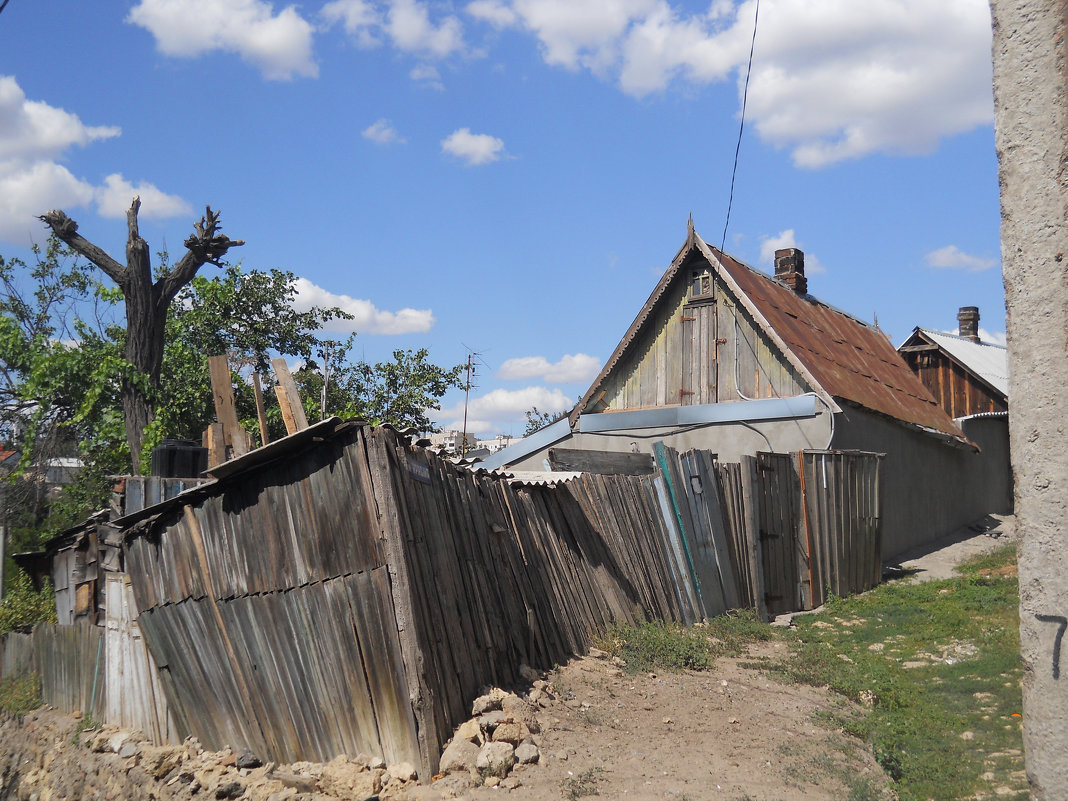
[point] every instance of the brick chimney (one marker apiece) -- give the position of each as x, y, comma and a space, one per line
968, 319
790, 269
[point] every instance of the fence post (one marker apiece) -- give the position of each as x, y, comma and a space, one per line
752, 533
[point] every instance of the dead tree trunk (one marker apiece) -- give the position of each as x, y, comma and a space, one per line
147, 302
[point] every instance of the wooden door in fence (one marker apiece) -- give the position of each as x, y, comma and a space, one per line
779, 514
134, 694
842, 519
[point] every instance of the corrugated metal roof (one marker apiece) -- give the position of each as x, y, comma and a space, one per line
988, 361
843, 356
850, 359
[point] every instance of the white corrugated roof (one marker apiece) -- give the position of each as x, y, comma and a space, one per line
990, 362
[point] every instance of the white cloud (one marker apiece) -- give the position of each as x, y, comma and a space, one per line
832, 79
996, 337
113, 199
33, 137
577, 369
28, 190
367, 318
383, 132
495, 13
279, 45
428, 75
406, 23
786, 239
488, 412
359, 18
475, 149
953, 258
31, 130
410, 27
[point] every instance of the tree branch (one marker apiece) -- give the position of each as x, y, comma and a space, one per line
206, 246
67, 230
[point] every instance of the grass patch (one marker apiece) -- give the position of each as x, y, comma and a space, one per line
671, 647
583, 785
20, 694
936, 667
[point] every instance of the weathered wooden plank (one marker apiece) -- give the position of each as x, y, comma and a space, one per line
607, 462
289, 397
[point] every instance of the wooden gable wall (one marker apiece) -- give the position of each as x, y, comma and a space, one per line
956, 389
685, 353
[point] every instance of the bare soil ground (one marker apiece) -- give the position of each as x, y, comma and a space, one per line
728, 733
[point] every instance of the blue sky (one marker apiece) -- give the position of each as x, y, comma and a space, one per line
511, 177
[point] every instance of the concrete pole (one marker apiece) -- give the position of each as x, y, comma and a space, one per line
1031, 128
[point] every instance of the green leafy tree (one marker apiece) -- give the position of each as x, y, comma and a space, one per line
537, 420
400, 392
147, 300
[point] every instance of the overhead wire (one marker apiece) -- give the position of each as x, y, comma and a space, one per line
741, 125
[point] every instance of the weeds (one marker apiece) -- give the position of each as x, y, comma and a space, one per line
20, 694
665, 646
583, 785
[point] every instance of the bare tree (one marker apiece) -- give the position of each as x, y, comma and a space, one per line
147, 301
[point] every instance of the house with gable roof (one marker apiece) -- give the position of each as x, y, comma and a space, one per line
729, 359
970, 380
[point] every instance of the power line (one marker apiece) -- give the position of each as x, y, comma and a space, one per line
741, 125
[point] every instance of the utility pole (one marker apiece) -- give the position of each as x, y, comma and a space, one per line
467, 394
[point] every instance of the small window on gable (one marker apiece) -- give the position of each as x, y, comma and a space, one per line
700, 283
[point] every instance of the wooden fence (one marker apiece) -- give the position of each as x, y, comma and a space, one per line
104, 671
342, 591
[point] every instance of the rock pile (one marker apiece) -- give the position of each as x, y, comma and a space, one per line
51, 756
46, 757
498, 738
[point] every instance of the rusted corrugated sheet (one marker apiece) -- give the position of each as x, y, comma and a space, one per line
848, 358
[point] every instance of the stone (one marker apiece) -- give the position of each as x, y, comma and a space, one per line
404, 771
229, 790
302, 784
510, 783
491, 720
597, 653
491, 781
423, 793
527, 673
521, 712
488, 702
510, 732
469, 730
129, 750
160, 760
495, 759
248, 760
527, 754
460, 755
346, 779
376, 763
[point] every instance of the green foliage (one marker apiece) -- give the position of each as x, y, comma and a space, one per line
929, 662
583, 785
537, 420
666, 646
20, 694
22, 606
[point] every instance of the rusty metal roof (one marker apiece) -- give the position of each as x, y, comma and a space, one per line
850, 359
846, 358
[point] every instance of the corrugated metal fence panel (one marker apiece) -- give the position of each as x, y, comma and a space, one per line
72, 664
135, 697
17, 655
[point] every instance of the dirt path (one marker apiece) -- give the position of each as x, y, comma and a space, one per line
729, 733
